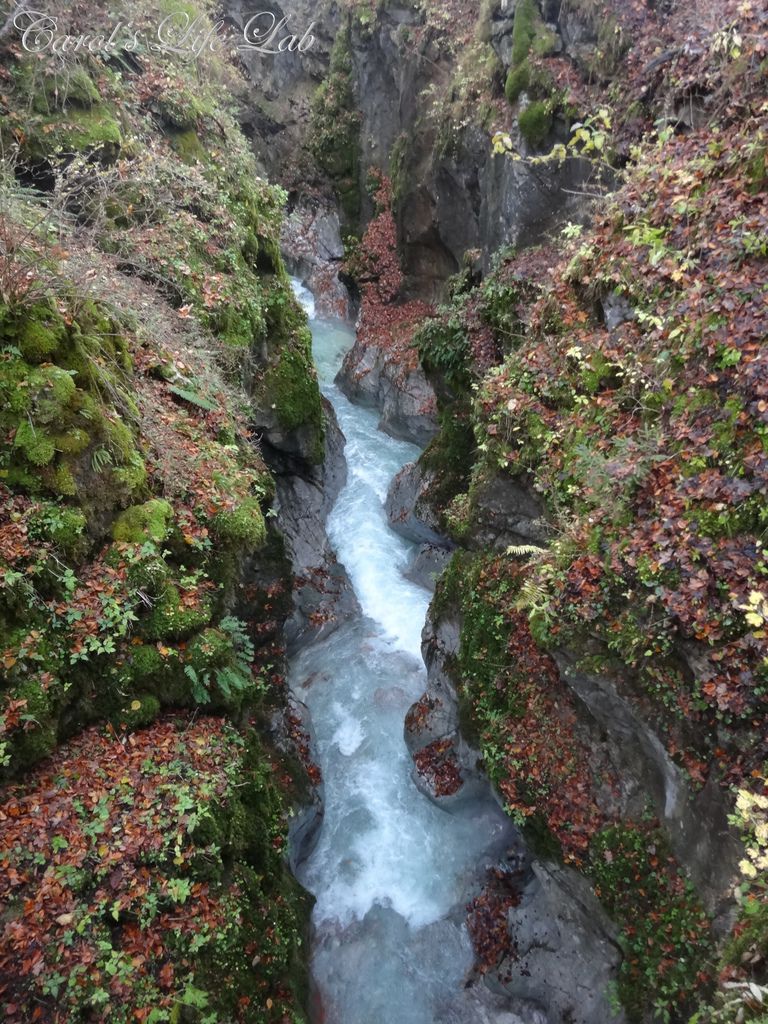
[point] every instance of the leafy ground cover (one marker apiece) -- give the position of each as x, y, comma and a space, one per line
146, 324
143, 879
618, 374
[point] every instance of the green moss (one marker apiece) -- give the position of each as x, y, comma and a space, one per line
243, 527
335, 129
61, 480
518, 80
81, 131
187, 145
70, 86
523, 30
443, 346
146, 661
64, 527
140, 711
449, 457
169, 620
150, 521
30, 745
544, 41
290, 387
149, 575
211, 649
536, 122
131, 477
529, 36
72, 442
37, 446
38, 342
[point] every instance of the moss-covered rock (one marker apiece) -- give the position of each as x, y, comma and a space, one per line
210, 649
37, 446
290, 389
141, 711
536, 122
189, 147
37, 737
150, 521
242, 527
335, 129
38, 342
83, 131
65, 527
171, 620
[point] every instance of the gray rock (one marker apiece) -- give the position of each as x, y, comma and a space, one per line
427, 565
408, 513
696, 824
371, 377
616, 310
313, 251
435, 719
567, 953
323, 597
505, 510
304, 827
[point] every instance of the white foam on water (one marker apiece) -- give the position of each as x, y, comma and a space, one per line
305, 297
348, 736
389, 866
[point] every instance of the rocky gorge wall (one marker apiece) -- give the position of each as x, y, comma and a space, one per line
595, 643
159, 409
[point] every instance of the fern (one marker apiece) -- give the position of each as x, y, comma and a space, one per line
525, 550
200, 690
194, 398
234, 678
533, 596
100, 459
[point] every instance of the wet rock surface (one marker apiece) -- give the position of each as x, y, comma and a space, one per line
314, 252
370, 376
505, 511
408, 512
566, 950
323, 597
696, 823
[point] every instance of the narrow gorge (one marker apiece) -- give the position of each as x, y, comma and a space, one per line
383, 477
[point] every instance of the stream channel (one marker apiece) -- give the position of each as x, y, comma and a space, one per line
391, 872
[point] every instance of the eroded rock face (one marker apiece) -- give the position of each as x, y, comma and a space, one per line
696, 823
408, 513
428, 564
446, 767
505, 510
313, 251
371, 376
566, 950
566, 953
277, 115
323, 597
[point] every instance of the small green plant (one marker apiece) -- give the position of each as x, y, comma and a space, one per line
232, 678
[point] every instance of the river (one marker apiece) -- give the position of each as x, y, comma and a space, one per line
391, 872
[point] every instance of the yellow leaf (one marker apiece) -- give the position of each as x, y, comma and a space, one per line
136, 705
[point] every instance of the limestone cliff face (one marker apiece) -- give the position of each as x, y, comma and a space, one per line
453, 194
